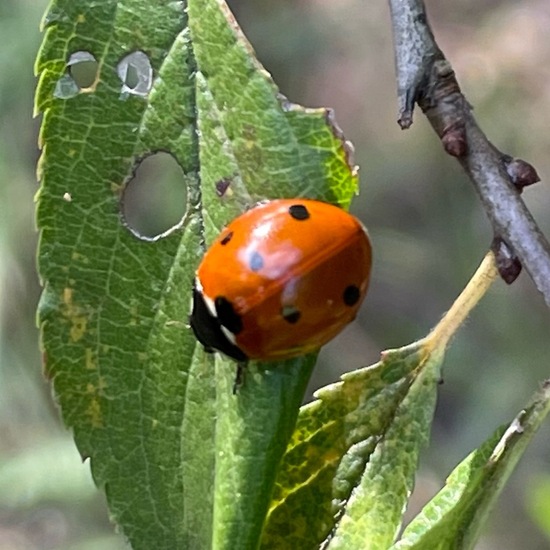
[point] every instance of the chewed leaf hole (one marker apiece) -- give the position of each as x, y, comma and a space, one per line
136, 73
154, 201
81, 75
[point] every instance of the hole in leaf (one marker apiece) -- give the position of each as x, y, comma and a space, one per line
83, 68
154, 201
136, 73
81, 75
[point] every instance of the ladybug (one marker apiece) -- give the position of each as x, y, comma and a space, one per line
281, 280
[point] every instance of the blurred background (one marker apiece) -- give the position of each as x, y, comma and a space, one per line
427, 226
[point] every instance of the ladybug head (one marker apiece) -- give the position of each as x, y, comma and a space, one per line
206, 324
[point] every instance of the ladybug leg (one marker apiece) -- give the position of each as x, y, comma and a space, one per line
239, 376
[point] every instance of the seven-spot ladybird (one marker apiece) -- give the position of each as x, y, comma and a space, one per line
281, 280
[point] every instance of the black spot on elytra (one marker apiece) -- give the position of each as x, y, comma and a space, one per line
351, 295
256, 261
227, 315
298, 212
226, 238
291, 314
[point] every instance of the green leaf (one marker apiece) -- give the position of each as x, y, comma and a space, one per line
350, 464
455, 516
182, 459
537, 501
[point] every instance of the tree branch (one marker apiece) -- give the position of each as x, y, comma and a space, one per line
425, 77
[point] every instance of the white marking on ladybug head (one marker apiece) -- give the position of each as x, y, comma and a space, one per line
229, 335
207, 300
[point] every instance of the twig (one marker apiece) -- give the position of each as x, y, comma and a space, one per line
425, 77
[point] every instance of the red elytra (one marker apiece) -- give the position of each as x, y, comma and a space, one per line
281, 280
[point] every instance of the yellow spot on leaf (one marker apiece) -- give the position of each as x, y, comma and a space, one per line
94, 413
81, 18
331, 456
101, 384
77, 257
68, 296
116, 188
94, 407
90, 359
78, 328
73, 313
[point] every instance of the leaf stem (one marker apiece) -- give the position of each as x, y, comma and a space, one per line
476, 288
